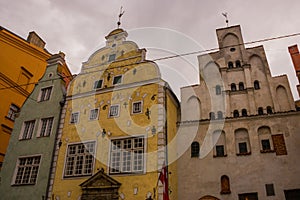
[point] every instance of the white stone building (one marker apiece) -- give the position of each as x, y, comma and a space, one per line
239, 131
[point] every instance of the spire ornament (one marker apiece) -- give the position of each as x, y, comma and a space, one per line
226, 17
120, 15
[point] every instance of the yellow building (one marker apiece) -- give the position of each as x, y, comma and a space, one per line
118, 128
22, 62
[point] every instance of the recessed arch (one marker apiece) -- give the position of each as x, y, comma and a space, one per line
282, 97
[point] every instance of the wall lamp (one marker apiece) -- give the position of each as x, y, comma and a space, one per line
153, 130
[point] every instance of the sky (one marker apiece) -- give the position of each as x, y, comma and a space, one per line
164, 27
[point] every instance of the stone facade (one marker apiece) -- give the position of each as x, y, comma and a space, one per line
26, 169
239, 128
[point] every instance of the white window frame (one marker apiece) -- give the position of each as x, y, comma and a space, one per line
97, 81
33, 167
45, 130
71, 117
13, 110
88, 159
121, 80
27, 132
117, 156
47, 95
141, 107
110, 111
92, 117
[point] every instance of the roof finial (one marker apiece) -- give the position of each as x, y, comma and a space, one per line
120, 15
226, 17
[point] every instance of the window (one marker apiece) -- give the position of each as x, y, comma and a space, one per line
211, 115
45, 93
243, 147
74, 118
112, 57
13, 110
265, 138
136, 107
98, 84
114, 111
244, 112
248, 196
269, 110
241, 86
117, 80
225, 185
27, 170
236, 113
256, 85
260, 111
219, 141
94, 114
218, 89
238, 63
127, 155
220, 115
27, 130
79, 159
242, 142
279, 144
46, 127
230, 65
195, 149
233, 87
270, 190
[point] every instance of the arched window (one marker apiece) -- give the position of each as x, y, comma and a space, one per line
225, 185
230, 65
218, 89
238, 63
241, 86
236, 113
242, 142
244, 112
233, 87
260, 111
265, 138
195, 149
269, 110
212, 115
256, 85
220, 115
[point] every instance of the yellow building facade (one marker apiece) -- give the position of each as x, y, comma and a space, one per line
22, 63
118, 128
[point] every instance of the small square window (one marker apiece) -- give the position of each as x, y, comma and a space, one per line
220, 151
114, 111
266, 144
243, 147
45, 94
74, 118
136, 107
98, 84
94, 114
112, 57
117, 80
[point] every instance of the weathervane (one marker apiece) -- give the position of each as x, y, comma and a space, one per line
120, 15
226, 17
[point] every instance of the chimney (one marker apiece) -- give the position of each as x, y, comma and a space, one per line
34, 39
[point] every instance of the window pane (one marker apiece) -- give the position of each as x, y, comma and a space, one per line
243, 147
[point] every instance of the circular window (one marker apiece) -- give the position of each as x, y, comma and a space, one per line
232, 49
50, 75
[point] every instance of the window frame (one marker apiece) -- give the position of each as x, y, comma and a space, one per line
71, 117
131, 165
195, 149
96, 83
46, 129
97, 116
13, 110
112, 57
218, 90
110, 111
29, 130
119, 80
76, 161
47, 96
141, 107
25, 166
